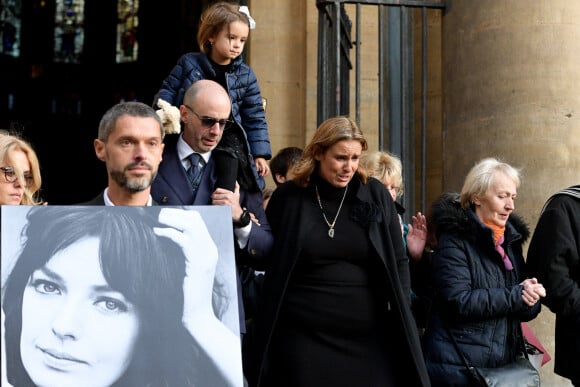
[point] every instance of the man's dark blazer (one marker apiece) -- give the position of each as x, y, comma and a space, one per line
172, 187
98, 200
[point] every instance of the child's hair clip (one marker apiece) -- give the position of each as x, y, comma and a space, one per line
245, 10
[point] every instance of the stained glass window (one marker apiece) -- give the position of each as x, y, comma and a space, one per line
127, 24
10, 22
69, 30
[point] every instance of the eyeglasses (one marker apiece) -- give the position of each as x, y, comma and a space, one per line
10, 176
209, 122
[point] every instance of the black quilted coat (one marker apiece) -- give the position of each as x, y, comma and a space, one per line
475, 296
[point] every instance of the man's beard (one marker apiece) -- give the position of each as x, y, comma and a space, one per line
136, 184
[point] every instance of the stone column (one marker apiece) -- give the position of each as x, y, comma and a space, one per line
511, 87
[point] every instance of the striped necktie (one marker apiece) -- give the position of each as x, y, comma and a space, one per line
194, 170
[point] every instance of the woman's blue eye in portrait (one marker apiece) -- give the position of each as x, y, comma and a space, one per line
44, 286
111, 305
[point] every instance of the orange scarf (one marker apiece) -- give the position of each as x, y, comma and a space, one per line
497, 231
498, 239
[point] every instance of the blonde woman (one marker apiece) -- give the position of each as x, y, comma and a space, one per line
388, 169
19, 172
336, 305
481, 286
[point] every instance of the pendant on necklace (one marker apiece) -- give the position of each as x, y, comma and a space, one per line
330, 225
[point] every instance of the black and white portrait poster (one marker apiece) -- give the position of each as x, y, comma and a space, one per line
119, 296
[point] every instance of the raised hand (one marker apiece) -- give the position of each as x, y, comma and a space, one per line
417, 236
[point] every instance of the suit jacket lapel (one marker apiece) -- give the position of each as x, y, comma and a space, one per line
173, 173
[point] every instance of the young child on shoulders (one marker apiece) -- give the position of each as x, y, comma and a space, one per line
244, 149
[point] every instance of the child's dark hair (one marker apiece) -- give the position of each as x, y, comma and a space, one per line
284, 160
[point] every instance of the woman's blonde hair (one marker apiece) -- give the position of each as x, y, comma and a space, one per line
384, 166
12, 143
214, 19
481, 177
330, 132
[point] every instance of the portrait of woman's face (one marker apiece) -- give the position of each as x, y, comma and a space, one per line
76, 329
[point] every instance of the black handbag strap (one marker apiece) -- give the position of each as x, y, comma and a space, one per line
470, 368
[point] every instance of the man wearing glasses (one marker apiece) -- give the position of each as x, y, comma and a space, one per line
205, 115
187, 174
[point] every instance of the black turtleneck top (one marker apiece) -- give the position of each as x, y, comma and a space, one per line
332, 283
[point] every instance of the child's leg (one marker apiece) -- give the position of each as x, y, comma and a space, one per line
226, 170
235, 164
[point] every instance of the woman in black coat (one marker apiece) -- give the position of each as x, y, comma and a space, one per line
482, 293
336, 310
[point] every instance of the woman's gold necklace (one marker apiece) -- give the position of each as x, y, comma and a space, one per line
330, 225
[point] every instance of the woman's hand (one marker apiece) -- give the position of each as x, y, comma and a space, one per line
188, 230
417, 236
533, 291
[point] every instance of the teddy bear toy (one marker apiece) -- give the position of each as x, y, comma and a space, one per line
170, 117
